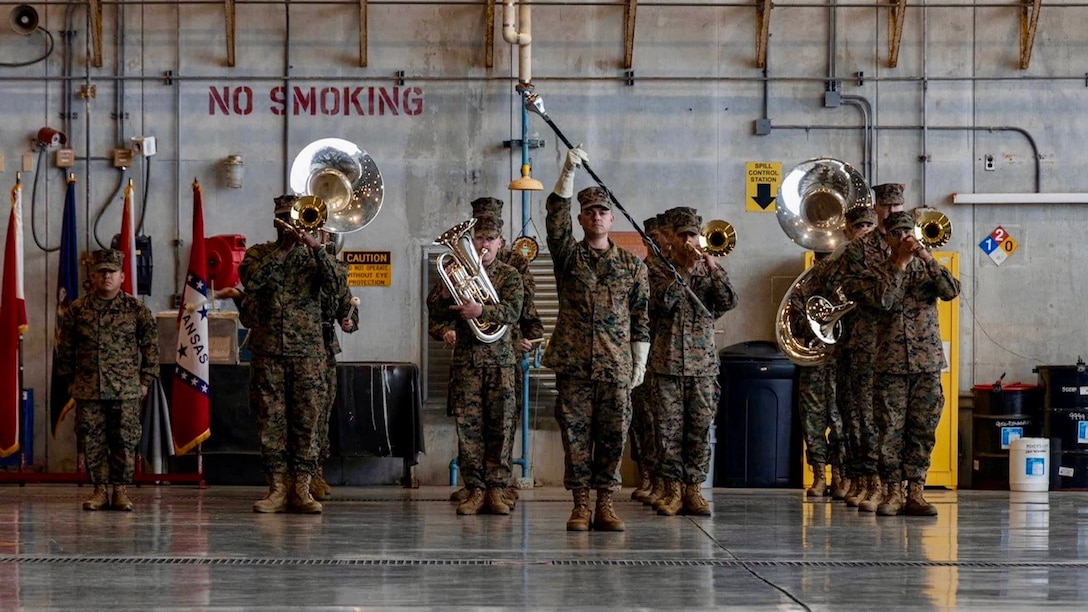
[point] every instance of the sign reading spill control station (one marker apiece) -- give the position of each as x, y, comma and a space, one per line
369, 268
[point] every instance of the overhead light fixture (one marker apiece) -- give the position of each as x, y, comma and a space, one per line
1020, 198
526, 182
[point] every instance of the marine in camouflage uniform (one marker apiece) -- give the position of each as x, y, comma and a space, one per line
336, 308
482, 392
108, 346
908, 362
856, 351
643, 428
284, 281
684, 362
602, 320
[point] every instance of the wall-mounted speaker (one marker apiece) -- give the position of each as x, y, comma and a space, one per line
23, 19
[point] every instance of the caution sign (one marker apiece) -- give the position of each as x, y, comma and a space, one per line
369, 268
999, 245
761, 186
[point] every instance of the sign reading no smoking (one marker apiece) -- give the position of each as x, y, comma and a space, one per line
999, 245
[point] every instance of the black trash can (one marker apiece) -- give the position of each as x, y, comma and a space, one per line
758, 430
1001, 414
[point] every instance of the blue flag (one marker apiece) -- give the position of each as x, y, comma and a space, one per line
67, 291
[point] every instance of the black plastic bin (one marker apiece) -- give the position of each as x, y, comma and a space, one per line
758, 430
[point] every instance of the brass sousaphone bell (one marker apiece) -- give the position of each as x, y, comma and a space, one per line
341, 177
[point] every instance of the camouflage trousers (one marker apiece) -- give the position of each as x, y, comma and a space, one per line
854, 382
322, 432
821, 423
642, 434
109, 432
908, 410
290, 394
686, 406
593, 418
484, 404
521, 371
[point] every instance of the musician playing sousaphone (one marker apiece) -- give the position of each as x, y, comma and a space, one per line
684, 362
482, 387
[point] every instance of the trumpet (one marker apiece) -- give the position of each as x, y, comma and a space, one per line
308, 214
932, 227
717, 237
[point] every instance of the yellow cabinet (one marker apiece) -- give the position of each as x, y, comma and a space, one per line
944, 462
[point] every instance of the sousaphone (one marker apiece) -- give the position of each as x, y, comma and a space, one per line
344, 178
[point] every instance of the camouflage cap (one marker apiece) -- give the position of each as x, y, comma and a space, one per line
859, 214
684, 219
487, 206
663, 222
650, 225
594, 196
107, 259
487, 223
284, 203
889, 194
898, 220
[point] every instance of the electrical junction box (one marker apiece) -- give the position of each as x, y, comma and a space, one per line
122, 158
144, 145
65, 158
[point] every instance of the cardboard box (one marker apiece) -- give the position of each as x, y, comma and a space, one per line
222, 327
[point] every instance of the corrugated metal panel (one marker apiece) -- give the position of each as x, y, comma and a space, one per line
541, 380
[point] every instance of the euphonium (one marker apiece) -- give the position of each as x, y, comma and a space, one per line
463, 272
932, 227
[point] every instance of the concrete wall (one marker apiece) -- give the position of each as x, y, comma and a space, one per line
681, 134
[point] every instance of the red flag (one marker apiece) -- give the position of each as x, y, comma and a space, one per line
190, 410
128, 243
13, 324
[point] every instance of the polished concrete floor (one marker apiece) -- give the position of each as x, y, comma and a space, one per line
374, 548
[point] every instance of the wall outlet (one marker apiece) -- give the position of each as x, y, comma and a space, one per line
144, 145
122, 158
28, 162
65, 158
988, 162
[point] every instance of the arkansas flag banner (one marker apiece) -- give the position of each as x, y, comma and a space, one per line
60, 403
13, 324
128, 242
190, 413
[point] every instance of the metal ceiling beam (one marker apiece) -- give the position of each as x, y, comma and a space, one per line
94, 7
489, 34
228, 10
629, 11
364, 6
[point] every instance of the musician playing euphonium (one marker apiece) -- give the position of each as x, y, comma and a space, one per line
482, 392
684, 362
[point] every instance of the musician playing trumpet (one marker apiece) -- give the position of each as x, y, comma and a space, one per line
482, 386
684, 363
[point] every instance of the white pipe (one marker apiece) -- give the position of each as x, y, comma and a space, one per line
1020, 198
521, 35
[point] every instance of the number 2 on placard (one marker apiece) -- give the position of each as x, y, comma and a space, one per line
1000, 234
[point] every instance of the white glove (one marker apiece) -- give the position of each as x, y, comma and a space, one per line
564, 187
640, 351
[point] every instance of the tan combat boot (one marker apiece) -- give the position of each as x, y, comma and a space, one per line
893, 499
694, 503
472, 504
98, 500
319, 487
120, 499
604, 517
819, 482
916, 504
875, 497
276, 499
496, 501
656, 493
645, 484
580, 515
459, 495
859, 492
301, 500
839, 484
673, 501
510, 496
